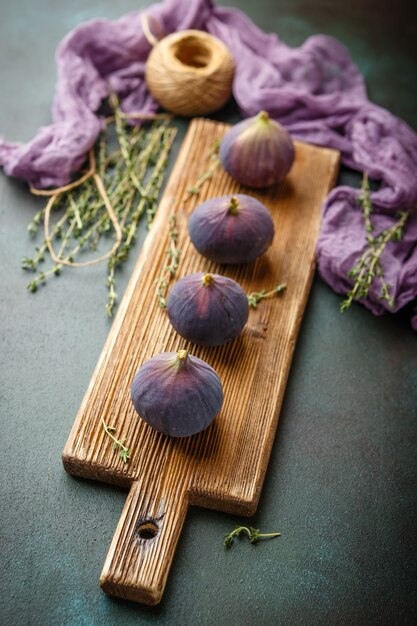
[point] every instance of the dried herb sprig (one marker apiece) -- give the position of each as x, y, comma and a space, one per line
369, 266
147, 204
36, 221
173, 251
214, 157
170, 269
124, 143
257, 296
118, 444
253, 534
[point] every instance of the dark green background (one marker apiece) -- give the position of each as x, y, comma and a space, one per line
341, 483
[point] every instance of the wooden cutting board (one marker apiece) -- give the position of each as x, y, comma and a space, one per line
224, 467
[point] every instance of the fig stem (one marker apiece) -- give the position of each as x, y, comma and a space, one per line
257, 296
208, 279
263, 116
234, 206
182, 359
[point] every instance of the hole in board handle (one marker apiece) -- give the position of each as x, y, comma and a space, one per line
147, 529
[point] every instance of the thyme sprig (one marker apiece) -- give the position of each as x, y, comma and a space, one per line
173, 252
132, 174
118, 444
214, 157
36, 221
368, 266
257, 296
170, 269
147, 204
253, 534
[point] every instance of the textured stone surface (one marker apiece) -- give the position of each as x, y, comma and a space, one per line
341, 484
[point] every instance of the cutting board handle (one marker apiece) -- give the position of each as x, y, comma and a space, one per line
143, 546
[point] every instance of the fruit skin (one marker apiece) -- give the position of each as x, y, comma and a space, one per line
207, 309
177, 394
231, 229
257, 152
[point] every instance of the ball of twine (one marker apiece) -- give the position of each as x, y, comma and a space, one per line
190, 73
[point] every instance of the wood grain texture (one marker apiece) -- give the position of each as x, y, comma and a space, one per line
223, 467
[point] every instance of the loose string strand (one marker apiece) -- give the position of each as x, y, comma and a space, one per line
102, 192
152, 40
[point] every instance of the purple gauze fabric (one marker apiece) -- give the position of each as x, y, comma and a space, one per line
315, 91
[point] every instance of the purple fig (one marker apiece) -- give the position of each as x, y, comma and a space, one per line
257, 152
208, 309
177, 394
231, 229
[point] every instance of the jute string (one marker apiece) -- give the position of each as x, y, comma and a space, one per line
152, 40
